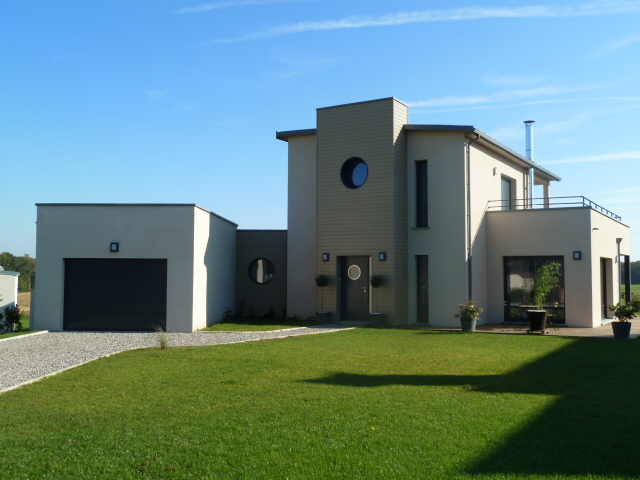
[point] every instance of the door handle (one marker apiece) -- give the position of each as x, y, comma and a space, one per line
364, 289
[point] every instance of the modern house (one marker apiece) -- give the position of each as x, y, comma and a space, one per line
442, 212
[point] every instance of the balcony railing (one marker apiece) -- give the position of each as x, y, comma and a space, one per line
550, 202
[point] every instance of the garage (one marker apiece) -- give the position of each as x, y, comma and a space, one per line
115, 294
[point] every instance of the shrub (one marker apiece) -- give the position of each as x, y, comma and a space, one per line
13, 315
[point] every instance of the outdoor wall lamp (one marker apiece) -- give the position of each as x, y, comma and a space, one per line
577, 255
325, 257
114, 247
382, 256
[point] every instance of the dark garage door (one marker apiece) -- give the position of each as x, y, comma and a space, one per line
110, 294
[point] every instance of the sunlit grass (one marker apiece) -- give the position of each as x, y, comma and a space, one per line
364, 403
261, 324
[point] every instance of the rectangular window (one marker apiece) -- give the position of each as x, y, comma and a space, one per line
519, 274
506, 193
423, 288
422, 219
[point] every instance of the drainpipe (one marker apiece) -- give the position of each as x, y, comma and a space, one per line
469, 248
529, 155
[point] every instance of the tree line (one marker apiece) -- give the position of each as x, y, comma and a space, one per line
26, 265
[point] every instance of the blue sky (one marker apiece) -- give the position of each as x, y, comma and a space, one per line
174, 101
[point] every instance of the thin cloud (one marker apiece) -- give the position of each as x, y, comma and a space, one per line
155, 95
505, 96
606, 157
457, 14
208, 7
534, 102
514, 80
616, 45
295, 67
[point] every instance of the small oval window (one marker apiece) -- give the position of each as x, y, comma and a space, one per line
354, 272
354, 173
262, 271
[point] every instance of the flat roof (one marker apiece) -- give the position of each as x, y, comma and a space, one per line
135, 205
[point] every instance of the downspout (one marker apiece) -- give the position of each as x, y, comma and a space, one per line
469, 248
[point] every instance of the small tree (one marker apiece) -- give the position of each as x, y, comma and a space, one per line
322, 281
376, 282
547, 278
13, 316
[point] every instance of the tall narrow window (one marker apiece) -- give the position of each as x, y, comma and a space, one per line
506, 193
422, 219
423, 288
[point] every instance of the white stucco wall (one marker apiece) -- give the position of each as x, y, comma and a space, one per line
8, 289
557, 232
143, 231
301, 226
445, 238
213, 268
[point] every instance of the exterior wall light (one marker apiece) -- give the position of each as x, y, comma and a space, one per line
577, 255
114, 247
325, 257
382, 256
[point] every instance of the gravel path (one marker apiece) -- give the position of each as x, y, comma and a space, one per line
26, 359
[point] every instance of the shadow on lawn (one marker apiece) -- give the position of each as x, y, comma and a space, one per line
593, 427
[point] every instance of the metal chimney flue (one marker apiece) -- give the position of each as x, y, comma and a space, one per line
529, 154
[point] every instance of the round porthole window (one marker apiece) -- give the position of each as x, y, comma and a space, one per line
354, 172
262, 271
354, 272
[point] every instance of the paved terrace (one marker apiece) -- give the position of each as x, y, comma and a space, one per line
604, 331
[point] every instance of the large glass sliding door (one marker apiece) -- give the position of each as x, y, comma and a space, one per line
519, 274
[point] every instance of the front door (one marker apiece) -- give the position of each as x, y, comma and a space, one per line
354, 288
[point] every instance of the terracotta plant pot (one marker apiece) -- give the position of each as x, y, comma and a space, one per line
468, 324
621, 329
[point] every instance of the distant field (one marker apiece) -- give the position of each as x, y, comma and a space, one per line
24, 302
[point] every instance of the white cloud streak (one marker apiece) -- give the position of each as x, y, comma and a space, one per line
208, 7
457, 14
616, 45
534, 102
606, 157
505, 96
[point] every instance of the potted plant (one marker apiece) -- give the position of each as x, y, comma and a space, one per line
468, 313
547, 278
376, 319
624, 313
322, 281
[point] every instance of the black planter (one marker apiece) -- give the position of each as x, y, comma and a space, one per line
376, 319
621, 329
468, 324
537, 320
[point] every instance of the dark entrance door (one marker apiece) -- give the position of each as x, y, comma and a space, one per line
115, 294
354, 288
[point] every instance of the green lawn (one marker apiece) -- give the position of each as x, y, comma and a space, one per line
25, 329
259, 324
358, 404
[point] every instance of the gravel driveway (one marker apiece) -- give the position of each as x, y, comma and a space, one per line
26, 359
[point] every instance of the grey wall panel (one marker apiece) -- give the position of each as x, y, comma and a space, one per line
253, 298
363, 221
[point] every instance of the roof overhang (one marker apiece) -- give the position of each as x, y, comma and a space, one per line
285, 135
